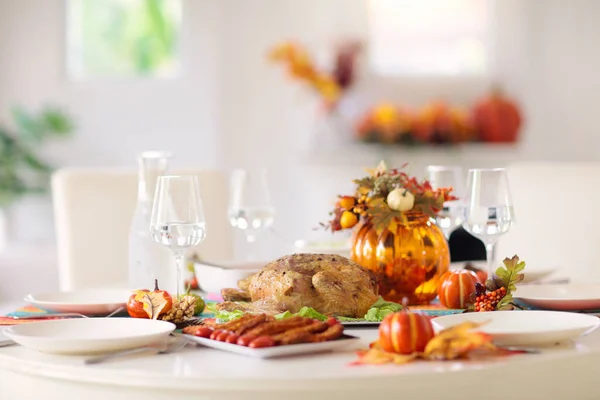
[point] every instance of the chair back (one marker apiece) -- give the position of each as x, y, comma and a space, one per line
94, 209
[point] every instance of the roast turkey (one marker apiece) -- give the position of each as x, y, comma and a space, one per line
333, 285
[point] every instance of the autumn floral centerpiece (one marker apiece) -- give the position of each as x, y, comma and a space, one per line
394, 236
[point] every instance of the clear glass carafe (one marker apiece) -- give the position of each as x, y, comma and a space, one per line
148, 260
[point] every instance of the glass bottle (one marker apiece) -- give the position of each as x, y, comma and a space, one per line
148, 260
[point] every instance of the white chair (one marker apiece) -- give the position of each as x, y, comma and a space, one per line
557, 219
93, 212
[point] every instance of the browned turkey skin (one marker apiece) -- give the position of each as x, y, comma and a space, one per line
333, 285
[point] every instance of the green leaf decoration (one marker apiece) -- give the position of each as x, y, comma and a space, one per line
511, 274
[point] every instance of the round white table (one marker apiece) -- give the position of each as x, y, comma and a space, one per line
569, 371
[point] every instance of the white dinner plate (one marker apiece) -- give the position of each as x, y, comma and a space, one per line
571, 297
536, 275
87, 302
531, 275
525, 328
89, 335
278, 351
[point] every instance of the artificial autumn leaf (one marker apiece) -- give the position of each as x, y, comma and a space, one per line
383, 217
511, 275
366, 183
457, 342
375, 356
153, 303
380, 170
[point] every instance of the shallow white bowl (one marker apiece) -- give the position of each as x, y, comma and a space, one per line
571, 297
87, 302
214, 277
89, 335
525, 328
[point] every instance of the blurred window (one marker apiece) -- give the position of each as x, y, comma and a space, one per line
428, 37
123, 38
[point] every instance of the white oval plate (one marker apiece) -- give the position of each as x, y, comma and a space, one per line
278, 351
89, 335
571, 297
525, 328
536, 275
87, 302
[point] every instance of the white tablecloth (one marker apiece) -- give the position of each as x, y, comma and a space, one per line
566, 372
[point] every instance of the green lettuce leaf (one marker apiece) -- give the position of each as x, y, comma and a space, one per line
226, 316
304, 312
284, 315
380, 309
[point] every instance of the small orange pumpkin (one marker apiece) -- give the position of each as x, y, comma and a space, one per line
456, 288
405, 332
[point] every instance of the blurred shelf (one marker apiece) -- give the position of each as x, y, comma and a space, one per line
366, 154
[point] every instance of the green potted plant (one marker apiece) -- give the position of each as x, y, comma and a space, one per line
23, 171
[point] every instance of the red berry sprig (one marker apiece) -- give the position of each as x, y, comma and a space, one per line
496, 294
489, 300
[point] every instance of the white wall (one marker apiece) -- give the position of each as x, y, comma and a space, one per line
115, 119
233, 108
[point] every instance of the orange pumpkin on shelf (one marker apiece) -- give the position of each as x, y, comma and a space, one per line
405, 332
497, 119
456, 288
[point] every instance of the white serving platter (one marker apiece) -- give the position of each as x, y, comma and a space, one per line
525, 328
360, 324
89, 335
87, 302
570, 297
278, 351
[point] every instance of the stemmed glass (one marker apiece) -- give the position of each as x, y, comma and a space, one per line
250, 207
178, 217
441, 177
488, 210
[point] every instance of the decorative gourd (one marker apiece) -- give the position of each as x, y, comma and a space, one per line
497, 119
456, 288
405, 332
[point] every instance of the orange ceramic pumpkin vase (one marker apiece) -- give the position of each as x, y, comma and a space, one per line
405, 332
408, 262
456, 288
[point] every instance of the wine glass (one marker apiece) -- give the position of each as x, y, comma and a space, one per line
250, 207
177, 217
488, 210
442, 177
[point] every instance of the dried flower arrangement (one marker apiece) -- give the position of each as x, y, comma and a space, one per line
330, 85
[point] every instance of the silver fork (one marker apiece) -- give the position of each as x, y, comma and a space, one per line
161, 348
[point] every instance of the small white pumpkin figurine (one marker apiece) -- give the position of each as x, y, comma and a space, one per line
400, 199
